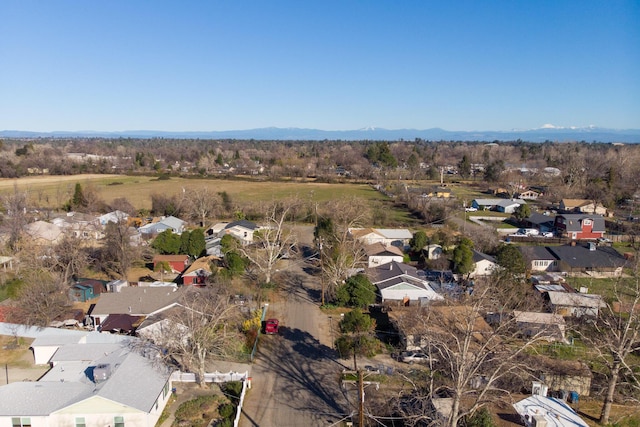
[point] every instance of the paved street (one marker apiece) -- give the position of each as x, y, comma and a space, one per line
296, 373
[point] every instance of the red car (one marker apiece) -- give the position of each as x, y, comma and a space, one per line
271, 326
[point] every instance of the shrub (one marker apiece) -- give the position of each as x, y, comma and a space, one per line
233, 389
226, 410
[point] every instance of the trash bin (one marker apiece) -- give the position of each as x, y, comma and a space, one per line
573, 397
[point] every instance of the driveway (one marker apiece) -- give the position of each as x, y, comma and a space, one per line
295, 374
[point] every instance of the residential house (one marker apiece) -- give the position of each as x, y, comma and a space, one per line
529, 195
135, 301
541, 222
379, 254
538, 410
588, 258
484, 265
44, 233
90, 384
570, 375
177, 262
198, 271
583, 206
580, 226
433, 251
400, 284
413, 330
80, 225
115, 216
242, 230
176, 225
550, 326
538, 258
399, 237
574, 304
499, 205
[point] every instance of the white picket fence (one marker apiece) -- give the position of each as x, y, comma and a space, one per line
210, 377
219, 377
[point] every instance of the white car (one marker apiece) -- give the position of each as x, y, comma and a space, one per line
470, 209
547, 234
414, 357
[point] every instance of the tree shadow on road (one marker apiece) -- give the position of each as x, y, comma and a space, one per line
310, 371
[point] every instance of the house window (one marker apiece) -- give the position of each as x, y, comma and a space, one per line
21, 422
80, 422
118, 421
586, 222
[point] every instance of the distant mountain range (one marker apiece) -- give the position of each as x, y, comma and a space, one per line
545, 133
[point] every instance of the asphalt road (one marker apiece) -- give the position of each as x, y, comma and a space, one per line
296, 373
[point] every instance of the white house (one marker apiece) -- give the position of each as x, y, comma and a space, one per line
484, 265
176, 225
115, 216
399, 237
90, 385
538, 410
379, 254
398, 282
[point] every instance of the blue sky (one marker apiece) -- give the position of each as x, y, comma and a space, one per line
227, 65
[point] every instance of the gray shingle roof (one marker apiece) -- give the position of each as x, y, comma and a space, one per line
533, 253
40, 398
136, 300
580, 256
573, 222
135, 381
479, 256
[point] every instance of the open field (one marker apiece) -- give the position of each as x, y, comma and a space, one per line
53, 191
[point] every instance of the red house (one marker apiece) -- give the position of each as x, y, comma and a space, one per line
177, 262
580, 226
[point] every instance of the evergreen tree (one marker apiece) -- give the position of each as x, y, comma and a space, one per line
463, 257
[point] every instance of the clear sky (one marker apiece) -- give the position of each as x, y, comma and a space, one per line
201, 65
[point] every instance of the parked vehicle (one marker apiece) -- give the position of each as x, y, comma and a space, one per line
470, 209
414, 357
547, 234
271, 326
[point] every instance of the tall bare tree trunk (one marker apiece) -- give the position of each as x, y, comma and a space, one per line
608, 400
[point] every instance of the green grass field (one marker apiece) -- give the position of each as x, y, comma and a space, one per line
53, 191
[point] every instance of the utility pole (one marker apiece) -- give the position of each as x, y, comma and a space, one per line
361, 398
321, 275
361, 383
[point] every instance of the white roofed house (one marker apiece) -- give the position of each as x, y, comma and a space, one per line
176, 225
114, 216
399, 237
91, 385
400, 284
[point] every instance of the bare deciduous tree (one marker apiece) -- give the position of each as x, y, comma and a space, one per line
204, 326
118, 252
15, 205
471, 361
202, 203
614, 336
42, 298
69, 257
273, 240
